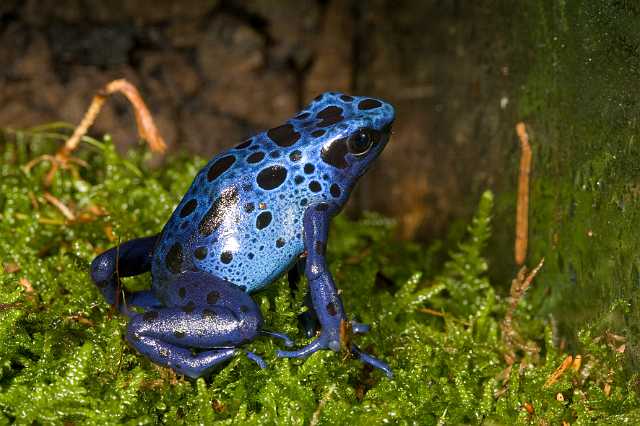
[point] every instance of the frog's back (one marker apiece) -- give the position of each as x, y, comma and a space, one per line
229, 226
241, 219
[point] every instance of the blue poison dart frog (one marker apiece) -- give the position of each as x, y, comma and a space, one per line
252, 213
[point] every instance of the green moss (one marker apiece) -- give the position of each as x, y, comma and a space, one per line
63, 359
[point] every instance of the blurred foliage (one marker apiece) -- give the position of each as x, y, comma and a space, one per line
63, 359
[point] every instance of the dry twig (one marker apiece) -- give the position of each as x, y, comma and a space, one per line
433, 312
66, 211
26, 285
346, 333
81, 319
440, 314
555, 376
577, 363
522, 209
146, 128
11, 267
519, 286
6, 306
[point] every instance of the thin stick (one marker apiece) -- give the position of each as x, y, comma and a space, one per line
66, 211
435, 313
146, 127
87, 121
553, 378
432, 312
519, 286
522, 209
5, 306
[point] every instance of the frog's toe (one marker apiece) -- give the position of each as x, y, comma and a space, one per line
372, 361
286, 339
321, 343
312, 347
360, 328
257, 359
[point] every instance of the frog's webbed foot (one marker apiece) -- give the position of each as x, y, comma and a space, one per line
312, 347
372, 361
320, 343
323, 342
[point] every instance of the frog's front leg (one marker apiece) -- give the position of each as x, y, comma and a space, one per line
324, 295
196, 336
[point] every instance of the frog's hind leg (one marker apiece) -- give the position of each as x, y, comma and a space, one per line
215, 317
128, 259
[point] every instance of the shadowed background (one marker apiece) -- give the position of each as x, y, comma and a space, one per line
215, 72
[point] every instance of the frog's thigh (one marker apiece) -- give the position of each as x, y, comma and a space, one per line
167, 335
197, 327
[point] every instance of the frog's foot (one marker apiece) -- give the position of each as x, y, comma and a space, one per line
325, 342
372, 361
286, 339
182, 360
312, 347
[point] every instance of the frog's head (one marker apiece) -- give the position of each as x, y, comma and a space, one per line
349, 132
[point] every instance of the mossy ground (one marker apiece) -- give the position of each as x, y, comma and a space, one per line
63, 359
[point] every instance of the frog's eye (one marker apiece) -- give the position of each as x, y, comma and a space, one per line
360, 142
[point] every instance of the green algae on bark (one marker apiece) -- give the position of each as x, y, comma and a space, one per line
577, 68
63, 358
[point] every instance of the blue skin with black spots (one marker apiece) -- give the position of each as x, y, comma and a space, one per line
251, 214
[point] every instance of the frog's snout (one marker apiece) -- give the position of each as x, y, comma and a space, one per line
388, 117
